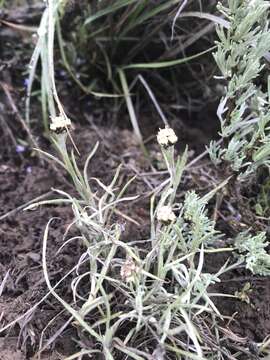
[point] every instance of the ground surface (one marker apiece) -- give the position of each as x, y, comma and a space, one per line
23, 177
20, 251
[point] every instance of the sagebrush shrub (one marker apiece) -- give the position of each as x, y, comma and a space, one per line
244, 109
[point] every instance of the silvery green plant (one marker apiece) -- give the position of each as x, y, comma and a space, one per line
244, 109
160, 282
242, 51
252, 250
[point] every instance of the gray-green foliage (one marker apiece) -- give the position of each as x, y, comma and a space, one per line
162, 286
194, 225
244, 110
252, 249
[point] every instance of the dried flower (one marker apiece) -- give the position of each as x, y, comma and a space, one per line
60, 124
166, 137
128, 270
166, 215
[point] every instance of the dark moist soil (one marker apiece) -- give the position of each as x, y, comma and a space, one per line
21, 235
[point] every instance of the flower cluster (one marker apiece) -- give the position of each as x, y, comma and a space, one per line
129, 270
166, 215
166, 137
60, 124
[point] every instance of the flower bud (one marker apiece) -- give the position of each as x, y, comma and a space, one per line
128, 270
166, 215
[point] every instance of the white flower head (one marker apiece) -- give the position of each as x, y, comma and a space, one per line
166, 215
152, 320
129, 270
60, 124
166, 137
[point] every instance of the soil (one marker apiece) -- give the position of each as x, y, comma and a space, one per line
21, 235
25, 177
